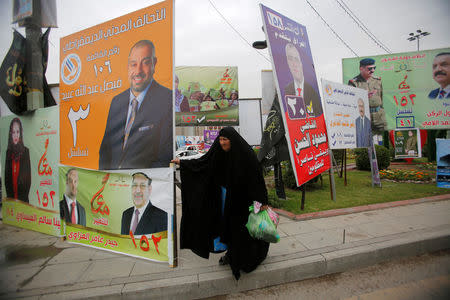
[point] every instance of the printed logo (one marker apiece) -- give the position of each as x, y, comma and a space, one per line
275, 20
70, 68
329, 90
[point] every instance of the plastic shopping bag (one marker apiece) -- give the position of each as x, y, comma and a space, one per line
260, 226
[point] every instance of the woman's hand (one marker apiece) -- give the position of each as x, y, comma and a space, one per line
175, 161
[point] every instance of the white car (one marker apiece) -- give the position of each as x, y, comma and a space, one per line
188, 152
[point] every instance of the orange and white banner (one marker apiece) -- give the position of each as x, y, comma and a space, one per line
102, 68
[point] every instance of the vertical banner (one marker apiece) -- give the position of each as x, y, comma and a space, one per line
29, 160
13, 88
116, 113
114, 225
347, 116
116, 92
443, 163
209, 136
207, 96
299, 96
407, 143
410, 88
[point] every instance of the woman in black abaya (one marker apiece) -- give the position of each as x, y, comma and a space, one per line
229, 168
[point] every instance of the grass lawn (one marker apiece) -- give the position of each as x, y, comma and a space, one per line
359, 191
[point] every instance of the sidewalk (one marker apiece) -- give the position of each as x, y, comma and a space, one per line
37, 266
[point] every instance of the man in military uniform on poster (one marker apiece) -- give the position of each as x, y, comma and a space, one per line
367, 81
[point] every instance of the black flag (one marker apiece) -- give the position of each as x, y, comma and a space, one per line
273, 142
12, 76
48, 97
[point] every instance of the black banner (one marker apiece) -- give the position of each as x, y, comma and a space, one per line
48, 97
273, 143
12, 76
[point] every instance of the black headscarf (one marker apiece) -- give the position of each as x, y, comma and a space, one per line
201, 180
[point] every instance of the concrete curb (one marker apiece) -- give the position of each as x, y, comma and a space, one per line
213, 281
356, 209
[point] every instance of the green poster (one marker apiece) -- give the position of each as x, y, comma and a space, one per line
29, 160
410, 87
106, 205
206, 96
407, 143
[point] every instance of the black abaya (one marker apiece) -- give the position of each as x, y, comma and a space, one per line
239, 172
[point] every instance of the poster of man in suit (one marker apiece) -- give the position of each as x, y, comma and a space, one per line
116, 94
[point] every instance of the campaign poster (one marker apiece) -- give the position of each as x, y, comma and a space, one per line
411, 87
298, 91
124, 212
206, 96
29, 160
407, 143
116, 97
209, 136
347, 116
443, 163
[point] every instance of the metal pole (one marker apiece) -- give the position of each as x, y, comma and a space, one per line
174, 222
345, 168
34, 70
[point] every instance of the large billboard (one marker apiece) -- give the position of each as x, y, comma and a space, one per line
414, 87
116, 92
347, 116
207, 96
298, 91
116, 119
29, 160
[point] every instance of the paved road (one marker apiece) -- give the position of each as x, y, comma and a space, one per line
423, 277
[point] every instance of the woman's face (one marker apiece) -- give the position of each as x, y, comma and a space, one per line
225, 143
15, 133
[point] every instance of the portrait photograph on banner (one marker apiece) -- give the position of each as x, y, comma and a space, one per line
347, 116
125, 212
407, 143
108, 74
206, 96
299, 96
29, 160
406, 90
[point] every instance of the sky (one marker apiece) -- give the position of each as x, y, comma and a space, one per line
203, 37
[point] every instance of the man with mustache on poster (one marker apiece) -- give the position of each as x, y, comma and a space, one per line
138, 131
143, 217
441, 74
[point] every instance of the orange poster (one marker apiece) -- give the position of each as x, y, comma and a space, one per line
116, 92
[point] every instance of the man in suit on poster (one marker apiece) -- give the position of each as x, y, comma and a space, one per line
441, 74
143, 217
70, 209
138, 131
363, 127
299, 87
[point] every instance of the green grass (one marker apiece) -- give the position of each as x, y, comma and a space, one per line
359, 191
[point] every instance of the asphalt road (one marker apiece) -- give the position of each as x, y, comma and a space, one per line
422, 277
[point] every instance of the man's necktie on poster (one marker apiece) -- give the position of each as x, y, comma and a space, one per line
135, 221
72, 214
441, 94
134, 104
